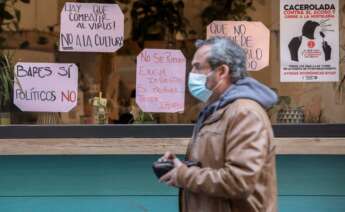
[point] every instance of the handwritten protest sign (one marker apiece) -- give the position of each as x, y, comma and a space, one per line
87, 27
160, 80
46, 87
253, 37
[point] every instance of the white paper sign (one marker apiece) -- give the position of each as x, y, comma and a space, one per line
160, 81
309, 41
88, 27
46, 87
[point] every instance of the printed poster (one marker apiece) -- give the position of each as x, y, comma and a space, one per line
309, 40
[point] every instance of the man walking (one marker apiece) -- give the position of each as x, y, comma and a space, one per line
232, 138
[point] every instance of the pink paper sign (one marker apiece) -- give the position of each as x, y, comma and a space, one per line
46, 87
160, 80
88, 27
253, 37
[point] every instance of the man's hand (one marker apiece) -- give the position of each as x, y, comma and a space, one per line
170, 178
167, 156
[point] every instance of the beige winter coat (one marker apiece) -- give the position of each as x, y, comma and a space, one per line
238, 171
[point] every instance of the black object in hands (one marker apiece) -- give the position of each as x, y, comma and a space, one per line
163, 167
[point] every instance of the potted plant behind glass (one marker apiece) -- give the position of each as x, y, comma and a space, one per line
235, 10
158, 20
286, 113
6, 87
139, 116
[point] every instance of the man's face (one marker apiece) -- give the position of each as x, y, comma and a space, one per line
201, 66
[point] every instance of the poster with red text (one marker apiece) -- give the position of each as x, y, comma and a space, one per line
309, 40
45, 87
160, 80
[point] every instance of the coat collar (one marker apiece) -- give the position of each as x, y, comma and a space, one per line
215, 116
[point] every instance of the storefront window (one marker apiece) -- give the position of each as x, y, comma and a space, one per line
106, 84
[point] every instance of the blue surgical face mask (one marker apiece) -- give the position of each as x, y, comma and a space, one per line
197, 86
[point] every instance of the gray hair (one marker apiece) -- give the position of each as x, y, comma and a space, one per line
226, 52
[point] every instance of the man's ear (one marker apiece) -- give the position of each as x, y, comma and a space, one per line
224, 71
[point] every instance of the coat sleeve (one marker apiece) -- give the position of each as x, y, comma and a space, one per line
246, 149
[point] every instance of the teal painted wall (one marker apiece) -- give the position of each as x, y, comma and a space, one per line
126, 183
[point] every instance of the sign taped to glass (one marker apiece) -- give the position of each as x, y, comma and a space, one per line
46, 87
